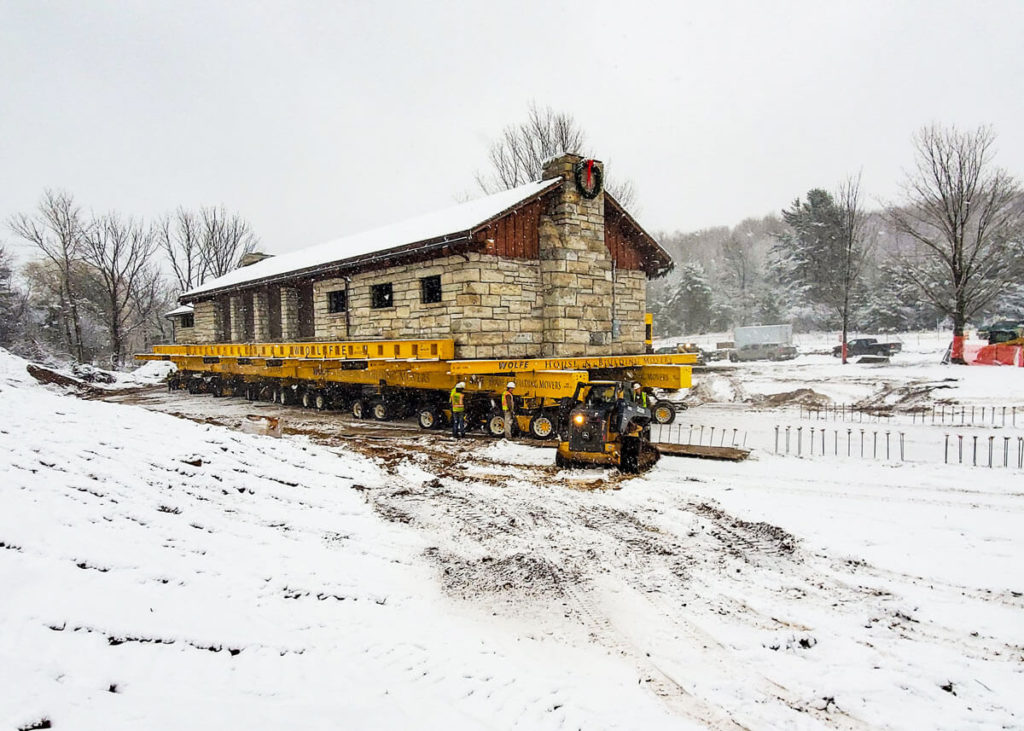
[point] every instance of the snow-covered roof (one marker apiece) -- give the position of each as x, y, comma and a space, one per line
431, 227
178, 311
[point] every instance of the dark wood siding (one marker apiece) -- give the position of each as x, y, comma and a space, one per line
517, 235
621, 244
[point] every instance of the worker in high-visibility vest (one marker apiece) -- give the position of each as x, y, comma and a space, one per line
458, 402
639, 395
508, 408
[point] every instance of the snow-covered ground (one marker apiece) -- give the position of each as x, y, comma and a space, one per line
173, 572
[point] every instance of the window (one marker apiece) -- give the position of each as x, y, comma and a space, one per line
188, 320
381, 296
337, 301
430, 289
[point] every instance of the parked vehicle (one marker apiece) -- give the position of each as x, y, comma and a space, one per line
867, 346
763, 351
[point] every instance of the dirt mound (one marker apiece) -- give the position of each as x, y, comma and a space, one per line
803, 396
46, 375
904, 397
516, 572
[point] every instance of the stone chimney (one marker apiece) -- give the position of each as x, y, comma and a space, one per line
575, 266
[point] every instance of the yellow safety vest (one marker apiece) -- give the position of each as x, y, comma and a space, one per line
507, 402
456, 399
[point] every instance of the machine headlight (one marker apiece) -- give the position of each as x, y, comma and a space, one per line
579, 418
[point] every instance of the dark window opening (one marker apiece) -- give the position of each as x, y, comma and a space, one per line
188, 320
381, 295
430, 289
337, 301
307, 318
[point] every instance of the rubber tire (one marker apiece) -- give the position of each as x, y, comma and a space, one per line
667, 415
733, 358
320, 401
307, 399
494, 419
380, 410
359, 409
283, 397
542, 427
429, 418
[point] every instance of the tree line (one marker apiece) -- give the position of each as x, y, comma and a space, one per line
952, 250
100, 284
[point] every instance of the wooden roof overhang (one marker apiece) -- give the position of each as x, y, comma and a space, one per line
658, 261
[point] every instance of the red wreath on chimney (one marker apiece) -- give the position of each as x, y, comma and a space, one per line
589, 178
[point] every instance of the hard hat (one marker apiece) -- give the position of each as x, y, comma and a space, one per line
460, 384
510, 384
636, 386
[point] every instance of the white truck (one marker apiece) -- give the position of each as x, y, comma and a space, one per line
763, 342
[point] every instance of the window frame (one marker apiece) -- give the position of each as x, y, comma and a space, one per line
424, 289
377, 302
187, 321
332, 308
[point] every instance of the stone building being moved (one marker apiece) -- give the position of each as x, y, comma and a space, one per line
552, 268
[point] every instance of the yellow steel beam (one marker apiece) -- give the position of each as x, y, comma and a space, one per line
665, 376
569, 364
440, 349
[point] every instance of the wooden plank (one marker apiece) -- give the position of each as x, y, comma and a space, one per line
732, 454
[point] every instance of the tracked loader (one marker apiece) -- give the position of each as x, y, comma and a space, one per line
601, 424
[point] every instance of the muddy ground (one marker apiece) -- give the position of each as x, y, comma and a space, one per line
579, 555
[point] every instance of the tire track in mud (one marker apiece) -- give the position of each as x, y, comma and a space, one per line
531, 542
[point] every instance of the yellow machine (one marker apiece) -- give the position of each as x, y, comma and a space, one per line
604, 425
386, 379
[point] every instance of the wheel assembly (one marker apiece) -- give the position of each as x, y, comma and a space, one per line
663, 412
496, 424
359, 409
380, 411
542, 427
429, 418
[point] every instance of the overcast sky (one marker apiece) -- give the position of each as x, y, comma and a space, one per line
314, 120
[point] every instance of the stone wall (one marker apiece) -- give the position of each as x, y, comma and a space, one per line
184, 335
208, 322
489, 306
629, 308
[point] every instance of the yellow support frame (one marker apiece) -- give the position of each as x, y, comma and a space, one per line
345, 350
418, 364
528, 365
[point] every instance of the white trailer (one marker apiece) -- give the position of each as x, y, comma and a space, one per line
762, 335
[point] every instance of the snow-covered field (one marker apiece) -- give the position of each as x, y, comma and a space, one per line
172, 572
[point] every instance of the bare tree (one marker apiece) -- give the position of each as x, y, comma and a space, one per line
119, 250
56, 229
962, 216
224, 240
854, 249
151, 298
519, 154
180, 237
